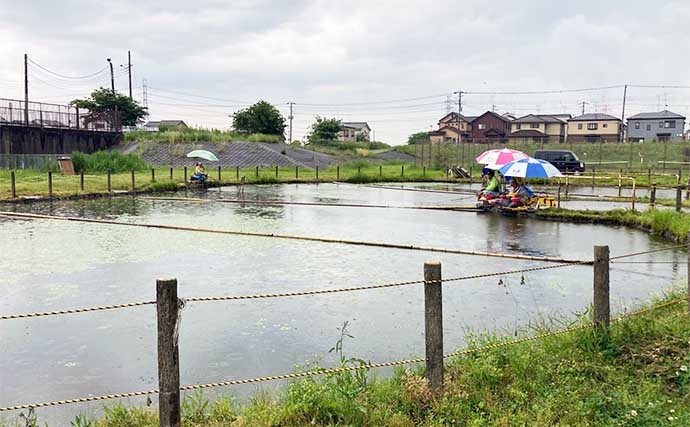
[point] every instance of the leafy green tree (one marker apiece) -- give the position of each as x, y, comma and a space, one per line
102, 100
261, 117
361, 137
418, 137
324, 129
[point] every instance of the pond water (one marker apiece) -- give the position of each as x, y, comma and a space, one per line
51, 265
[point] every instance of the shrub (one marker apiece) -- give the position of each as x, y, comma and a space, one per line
102, 161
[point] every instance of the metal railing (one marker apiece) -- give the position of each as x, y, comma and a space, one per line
16, 112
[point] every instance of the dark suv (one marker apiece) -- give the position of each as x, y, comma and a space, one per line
564, 160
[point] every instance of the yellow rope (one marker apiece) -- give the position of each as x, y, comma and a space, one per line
292, 237
75, 310
338, 369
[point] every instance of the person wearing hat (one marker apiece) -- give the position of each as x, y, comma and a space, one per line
519, 194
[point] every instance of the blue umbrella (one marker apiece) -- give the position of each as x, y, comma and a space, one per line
529, 168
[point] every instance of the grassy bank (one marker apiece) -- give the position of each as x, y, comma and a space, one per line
31, 183
637, 375
666, 223
196, 135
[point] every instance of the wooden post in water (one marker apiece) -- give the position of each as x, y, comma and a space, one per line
652, 196
168, 353
134, 187
81, 180
679, 198
13, 185
433, 325
50, 184
110, 187
558, 201
153, 175
602, 309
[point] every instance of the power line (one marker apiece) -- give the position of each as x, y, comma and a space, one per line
67, 77
543, 92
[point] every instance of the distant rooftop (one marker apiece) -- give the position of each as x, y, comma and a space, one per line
594, 116
656, 115
356, 125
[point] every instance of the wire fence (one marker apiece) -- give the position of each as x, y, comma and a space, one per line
168, 341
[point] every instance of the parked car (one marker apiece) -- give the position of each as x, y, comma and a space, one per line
564, 160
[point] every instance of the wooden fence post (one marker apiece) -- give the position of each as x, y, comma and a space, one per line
423, 170
153, 175
14, 185
380, 170
594, 175
237, 172
168, 353
276, 172
171, 173
433, 325
679, 198
652, 196
81, 180
219, 174
602, 309
134, 187
558, 201
337, 173
402, 170
256, 172
317, 172
296, 172
359, 170
50, 184
185, 174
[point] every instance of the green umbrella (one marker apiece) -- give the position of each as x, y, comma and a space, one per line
203, 154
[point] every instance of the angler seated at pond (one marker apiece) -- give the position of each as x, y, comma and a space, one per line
492, 188
519, 195
199, 173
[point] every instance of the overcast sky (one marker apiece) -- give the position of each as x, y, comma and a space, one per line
393, 64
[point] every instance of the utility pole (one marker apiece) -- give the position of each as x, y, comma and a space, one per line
112, 76
459, 94
290, 117
145, 93
583, 107
625, 93
129, 69
26, 89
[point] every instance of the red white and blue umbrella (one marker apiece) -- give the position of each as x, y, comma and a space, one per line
500, 157
530, 168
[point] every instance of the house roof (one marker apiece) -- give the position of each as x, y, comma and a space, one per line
356, 125
158, 123
436, 132
453, 117
538, 118
451, 128
498, 116
594, 116
527, 133
656, 115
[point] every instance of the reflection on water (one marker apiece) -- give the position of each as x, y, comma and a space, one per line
59, 265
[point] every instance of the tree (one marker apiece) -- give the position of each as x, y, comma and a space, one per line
104, 100
324, 129
418, 137
261, 117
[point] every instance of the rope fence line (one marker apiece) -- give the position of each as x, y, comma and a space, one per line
459, 208
651, 251
293, 237
327, 371
76, 310
289, 294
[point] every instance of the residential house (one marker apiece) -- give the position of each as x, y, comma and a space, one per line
490, 127
350, 131
539, 128
445, 134
661, 126
594, 127
452, 127
154, 126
